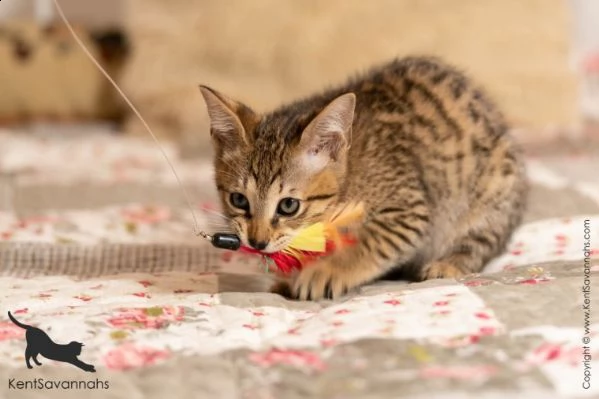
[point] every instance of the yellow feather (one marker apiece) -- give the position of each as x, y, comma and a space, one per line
312, 238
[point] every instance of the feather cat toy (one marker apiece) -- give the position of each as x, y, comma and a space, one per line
315, 241
312, 242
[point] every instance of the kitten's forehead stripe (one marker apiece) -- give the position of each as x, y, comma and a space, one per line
275, 176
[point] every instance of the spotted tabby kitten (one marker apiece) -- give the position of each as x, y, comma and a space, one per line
417, 141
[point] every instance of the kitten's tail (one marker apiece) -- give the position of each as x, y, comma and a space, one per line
18, 323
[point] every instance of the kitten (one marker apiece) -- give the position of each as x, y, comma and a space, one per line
420, 144
39, 343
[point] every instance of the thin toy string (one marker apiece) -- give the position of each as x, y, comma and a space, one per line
285, 260
196, 227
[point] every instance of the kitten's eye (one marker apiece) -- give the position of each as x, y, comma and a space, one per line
288, 206
240, 201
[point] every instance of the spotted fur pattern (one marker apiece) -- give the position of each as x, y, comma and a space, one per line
420, 144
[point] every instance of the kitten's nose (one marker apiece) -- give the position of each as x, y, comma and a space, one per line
259, 245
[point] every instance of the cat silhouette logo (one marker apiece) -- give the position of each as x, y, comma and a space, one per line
39, 343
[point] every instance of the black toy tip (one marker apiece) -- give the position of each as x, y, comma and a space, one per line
226, 241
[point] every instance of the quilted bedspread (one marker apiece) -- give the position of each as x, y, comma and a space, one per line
164, 315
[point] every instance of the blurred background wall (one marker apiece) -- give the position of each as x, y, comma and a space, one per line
44, 76
268, 51
265, 52
91, 13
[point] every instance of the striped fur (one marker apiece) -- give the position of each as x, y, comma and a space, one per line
420, 144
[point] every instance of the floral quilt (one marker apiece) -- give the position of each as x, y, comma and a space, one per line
481, 331
167, 325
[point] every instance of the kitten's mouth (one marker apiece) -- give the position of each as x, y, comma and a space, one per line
275, 247
271, 247
268, 250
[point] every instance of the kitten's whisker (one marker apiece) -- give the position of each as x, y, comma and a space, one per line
211, 212
196, 227
216, 223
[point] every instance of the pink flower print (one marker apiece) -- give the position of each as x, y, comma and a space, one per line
151, 318
295, 358
544, 353
21, 311
477, 283
441, 303
549, 352
9, 331
466, 340
562, 241
533, 281
482, 315
516, 252
460, 341
258, 314
473, 339
146, 283
146, 215
590, 63
20, 225
140, 294
293, 331
487, 330
250, 326
6, 235
128, 356
83, 297
344, 311
393, 302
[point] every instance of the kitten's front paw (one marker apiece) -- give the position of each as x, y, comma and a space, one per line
440, 269
324, 279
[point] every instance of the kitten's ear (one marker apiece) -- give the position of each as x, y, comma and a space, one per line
226, 125
329, 133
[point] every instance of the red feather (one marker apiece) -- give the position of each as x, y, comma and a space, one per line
286, 263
